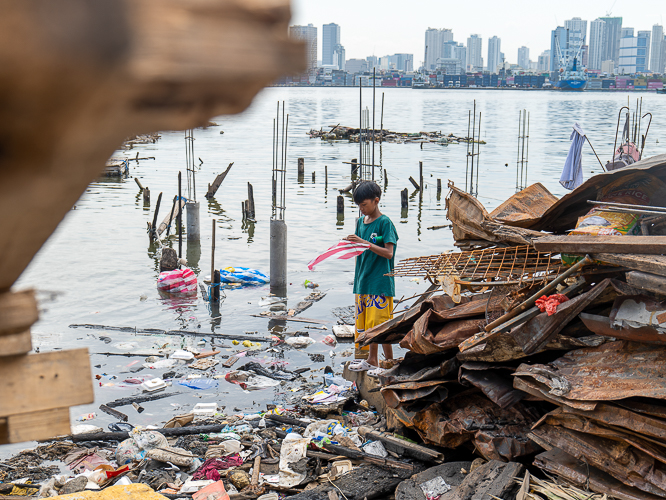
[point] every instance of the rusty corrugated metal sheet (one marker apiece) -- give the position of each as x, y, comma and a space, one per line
431, 334
418, 367
496, 385
615, 370
415, 395
525, 207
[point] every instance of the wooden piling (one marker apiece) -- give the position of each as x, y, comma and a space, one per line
138, 183
341, 205
146, 196
404, 198
385, 174
152, 230
326, 176
313, 177
243, 209
301, 166
414, 183
421, 179
250, 202
212, 261
439, 186
215, 286
179, 222
354, 168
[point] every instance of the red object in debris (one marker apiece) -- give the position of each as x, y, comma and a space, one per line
549, 303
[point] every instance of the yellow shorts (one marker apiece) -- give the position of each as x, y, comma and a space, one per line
371, 310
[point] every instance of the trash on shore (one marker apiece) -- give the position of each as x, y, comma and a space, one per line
351, 134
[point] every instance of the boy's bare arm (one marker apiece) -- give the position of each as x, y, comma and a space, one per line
386, 251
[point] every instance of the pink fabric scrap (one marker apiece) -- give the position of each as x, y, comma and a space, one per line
549, 303
342, 250
209, 469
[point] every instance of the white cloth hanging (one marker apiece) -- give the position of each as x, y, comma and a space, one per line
572, 174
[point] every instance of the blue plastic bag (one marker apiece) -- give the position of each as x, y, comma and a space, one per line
199, 383
243, 276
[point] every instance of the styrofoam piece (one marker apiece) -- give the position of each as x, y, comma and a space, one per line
344, 331
205, 409
184, 355
152, 385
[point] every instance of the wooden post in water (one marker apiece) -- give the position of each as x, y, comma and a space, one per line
325, 176
138, 183
313, 177
301, 166
250, 201
212, 256
385, 174
179, 222
243, 209
341, 205
439, 186
404, 198
354, 168
146, 196
215, 286
152, 232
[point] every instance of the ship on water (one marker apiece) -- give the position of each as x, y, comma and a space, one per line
572, 74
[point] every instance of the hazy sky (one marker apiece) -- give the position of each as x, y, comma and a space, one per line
387, 27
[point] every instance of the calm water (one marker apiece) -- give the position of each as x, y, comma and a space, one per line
98, 267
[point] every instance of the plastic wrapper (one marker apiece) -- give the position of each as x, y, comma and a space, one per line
177, 281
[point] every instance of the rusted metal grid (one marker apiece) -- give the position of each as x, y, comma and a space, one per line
511, 265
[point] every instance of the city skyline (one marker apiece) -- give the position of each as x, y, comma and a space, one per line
404, 33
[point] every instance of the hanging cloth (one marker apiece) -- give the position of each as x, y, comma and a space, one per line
343, 250
572, 175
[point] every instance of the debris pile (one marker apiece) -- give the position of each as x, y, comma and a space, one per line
546, 348
351, 134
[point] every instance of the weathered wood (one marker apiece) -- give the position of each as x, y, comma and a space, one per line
12, 344
377, 461
439, 186
404, 198
646, 281
354, 168
287, 420
114, 413
139, 399
146, 196
326, 176
250, 201
230, 362
18, 311
151, 227
212, 188
138, 183
406, 448
492, 480
582, 244
341, 205
168, 432
173, 215
301, 167
45, 381
414, 183
653, 264
33, 426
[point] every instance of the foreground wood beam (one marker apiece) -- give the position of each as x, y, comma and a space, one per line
582, 244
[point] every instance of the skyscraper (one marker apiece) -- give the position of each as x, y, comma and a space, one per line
474, 56
596, 43
543, 63
656, 52
559, 48
330, 37
309, 35
524, 57
628, 50
434, 43
339, 56
611, 50
643, 51
577, 31
493, 54
461, 54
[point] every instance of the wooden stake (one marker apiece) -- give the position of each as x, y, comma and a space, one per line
212, 260
439, 186
341, 205
421, 180
326, 176
301, 166
313, 177
138, 183
404, 198
146, 196
250, 201
354, 168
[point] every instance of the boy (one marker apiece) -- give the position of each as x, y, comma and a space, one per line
373, 290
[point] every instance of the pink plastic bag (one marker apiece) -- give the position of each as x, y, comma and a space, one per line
177, 281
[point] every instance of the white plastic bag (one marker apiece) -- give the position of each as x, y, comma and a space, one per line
293, 450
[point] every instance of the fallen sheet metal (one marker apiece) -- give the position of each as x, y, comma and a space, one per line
556, 461
612, 371
601, 325
534, 334
471, 221
494, 381
432, 334
418, 367
525, 207
415, 396
495, 433
624, 462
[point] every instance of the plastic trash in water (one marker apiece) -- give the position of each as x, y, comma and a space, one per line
243, 276
249, 381
375, 448
153, 385
332, 379
199, 383
184, 355
299, 342
86, 416
293, 449
310, 284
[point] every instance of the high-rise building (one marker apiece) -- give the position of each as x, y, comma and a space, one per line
608, 67
559, 49
356, 66
434, 44
493, 54
577, 37
461, 54
611, 50
656, 52
373, 62
628, 52
309, 35
474, 56
596, 43
330, 37
524, 57
339, 56
543, 63
643, 51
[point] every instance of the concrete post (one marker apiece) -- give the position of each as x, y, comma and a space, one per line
278, 258
192, 213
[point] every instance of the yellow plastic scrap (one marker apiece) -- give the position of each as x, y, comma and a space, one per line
136, 491
18, 491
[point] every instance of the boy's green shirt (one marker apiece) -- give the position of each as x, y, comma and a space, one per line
370, 276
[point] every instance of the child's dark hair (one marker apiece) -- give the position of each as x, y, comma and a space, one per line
367, 190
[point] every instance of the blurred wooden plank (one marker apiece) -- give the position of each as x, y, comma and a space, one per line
647, 281
18, 311
34, 426
12, 344
653, 264
45, 381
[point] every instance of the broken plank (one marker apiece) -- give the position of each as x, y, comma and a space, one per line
171, 216
646, 281
45, 381
168, 432
654, 264
582, 244
405, 447
230, 362
416, 184
377, 461
114, 413
212, 188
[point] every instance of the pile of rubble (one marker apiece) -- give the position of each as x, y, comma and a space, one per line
351, 134
546, 348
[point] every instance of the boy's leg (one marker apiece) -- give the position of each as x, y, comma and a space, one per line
379, 309
373, 358
360, 324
